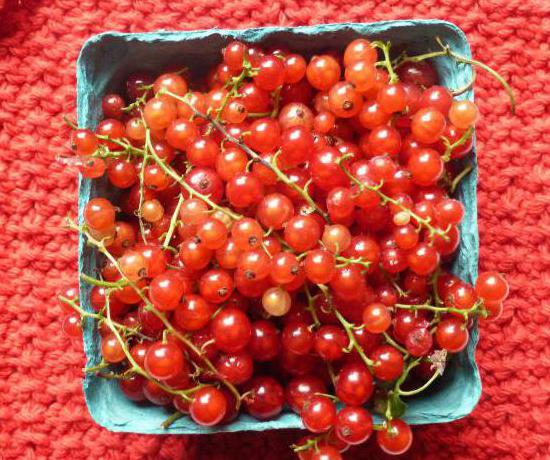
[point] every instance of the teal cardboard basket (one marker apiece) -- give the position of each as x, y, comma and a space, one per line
104, 62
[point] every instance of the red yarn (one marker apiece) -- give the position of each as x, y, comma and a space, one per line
42, 410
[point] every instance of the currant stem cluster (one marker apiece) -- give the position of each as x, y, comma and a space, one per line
387, 199
273, 166
99, 245
447, 51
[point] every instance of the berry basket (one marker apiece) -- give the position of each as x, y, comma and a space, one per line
107, 58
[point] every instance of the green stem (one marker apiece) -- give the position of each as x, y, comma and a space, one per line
170, 420
135, 366
277, 98
311, 307
141, 100
412, 364
326, 395
235, 85
309, 444
173, 222
446, 51
494, 73
432, 379
394, 283
435, 289
102, 365
98, 317
467, 87
259, 114
142, 184
350, 261
385, 47
332, 375
450, 147
464, 313
102, 283
394, 344
388, 415
128, 148
418, 58
69, 123
456, 181
83, 313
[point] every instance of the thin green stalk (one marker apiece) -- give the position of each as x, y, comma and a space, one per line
416, 391
385, 47
142, 184
277, 98
467, 87
102, 283
83, 313
447, 51
170, 420
136, 368
456, 181
98, 317
311, 307
173, 222
394, 344
473, 62
412, 364
450, 147
464, 313
128, 148
353, 261
235, 85
403, 58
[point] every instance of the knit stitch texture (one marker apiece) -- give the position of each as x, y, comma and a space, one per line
42, 409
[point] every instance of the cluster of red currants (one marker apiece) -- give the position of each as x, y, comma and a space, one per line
280, 239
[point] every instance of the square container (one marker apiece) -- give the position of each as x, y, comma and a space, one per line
104, 62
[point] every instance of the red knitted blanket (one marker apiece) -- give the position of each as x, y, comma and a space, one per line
42, 410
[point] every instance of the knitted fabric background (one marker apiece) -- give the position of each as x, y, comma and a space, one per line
42, 409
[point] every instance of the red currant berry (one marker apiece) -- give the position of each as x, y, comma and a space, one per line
318, 414
232, 330
390, 363
353, 425
452, 334
376, 318
354, 384
208, 407
302, 233
164, 360
323, 72
270, 74
301, 388
492, 287
193, 313
395, 439
330, 342
419, 342
265, 398
236, 368
265, 342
